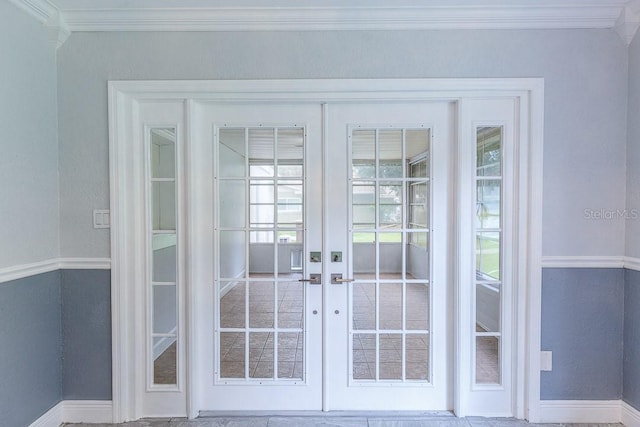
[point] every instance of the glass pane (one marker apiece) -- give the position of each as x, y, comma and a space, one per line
260, 237
364, 193
163, 202
488, 203
417, 145
231, 152
261, 191
488, 255
390, 146
261, 215
488, 307
390, 169
390, 209
488, 360
163, 153
261, 169
290, 355
165, 360
165, 320
291, 236
232, 254
390, 306
290, 171
290, 146
363, 146
390, 255
261, 354
489, 151
417, 306
364, 214
364, 255
417, 260
417, 357
364, 306
232, 355
232, 304
390, 356
261, 146
232, 203
261, 304
290, 304
364, 356
164, 258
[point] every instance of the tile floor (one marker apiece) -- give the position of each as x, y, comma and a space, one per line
339, 421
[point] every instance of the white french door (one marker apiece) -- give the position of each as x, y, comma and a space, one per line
389, 212
325, 249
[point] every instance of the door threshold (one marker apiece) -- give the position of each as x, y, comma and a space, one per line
327, 414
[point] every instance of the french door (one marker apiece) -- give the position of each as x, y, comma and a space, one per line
294, 251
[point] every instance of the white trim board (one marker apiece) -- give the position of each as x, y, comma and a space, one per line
630, 263
76, 411
16, 272
587, 411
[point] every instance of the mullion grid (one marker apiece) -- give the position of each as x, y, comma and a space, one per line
246, 281
160, 231
490, 282
404, 231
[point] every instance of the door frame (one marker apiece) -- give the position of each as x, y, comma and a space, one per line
124, 97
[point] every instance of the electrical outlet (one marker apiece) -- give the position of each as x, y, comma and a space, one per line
546, 360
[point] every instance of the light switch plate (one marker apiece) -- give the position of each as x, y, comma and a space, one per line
546, 360
101, 218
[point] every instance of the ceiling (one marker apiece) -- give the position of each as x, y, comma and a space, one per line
66, 16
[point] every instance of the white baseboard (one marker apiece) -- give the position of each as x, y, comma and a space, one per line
51, 418
77, 411
579, 411
87, 411
630, 415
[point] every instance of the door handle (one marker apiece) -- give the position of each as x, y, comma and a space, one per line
314, 279
336, 279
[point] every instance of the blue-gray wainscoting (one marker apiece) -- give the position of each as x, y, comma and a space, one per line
631, 381
55, 342
30, 348
582, 323
86, 334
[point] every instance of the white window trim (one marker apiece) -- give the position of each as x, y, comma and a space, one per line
123, 96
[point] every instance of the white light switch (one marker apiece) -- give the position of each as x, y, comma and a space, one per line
546, 360
101, 218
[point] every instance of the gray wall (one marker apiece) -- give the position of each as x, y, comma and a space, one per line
633, 151
29, 160
585, 75
86, 334
30, 350
631, 386
582, 323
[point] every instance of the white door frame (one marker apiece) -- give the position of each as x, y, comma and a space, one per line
124, 97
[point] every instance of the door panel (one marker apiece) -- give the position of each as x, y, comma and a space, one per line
264, 348
389, 209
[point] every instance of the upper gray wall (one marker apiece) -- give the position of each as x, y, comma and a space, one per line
585, 74
29, 161
633, 151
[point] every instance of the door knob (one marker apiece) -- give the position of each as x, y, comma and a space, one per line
336, 279
314, 279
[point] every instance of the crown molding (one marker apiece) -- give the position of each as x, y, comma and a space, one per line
547, 15
621, 15
42, 10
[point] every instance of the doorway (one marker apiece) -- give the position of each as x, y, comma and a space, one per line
327, 255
